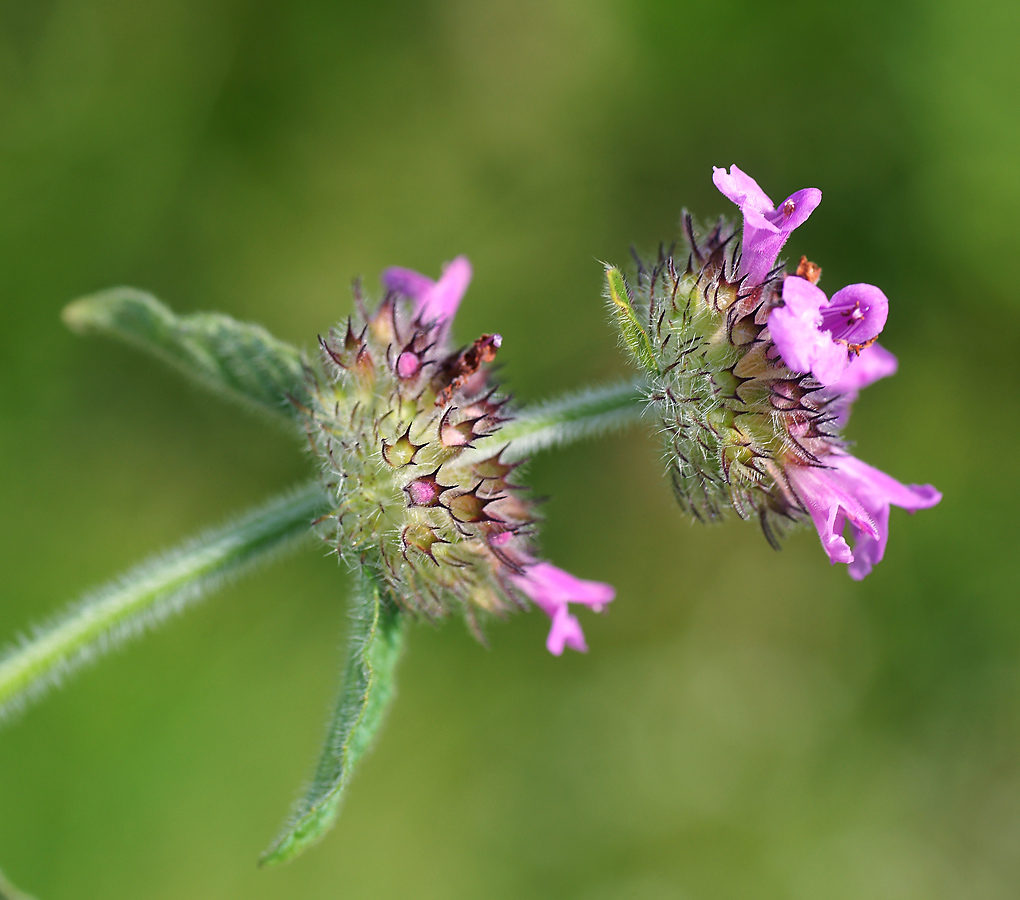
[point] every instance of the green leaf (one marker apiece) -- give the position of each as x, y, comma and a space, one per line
237, 360
374, 648
635, 337
149, 593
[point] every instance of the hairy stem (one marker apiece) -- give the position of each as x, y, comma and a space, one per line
573, 417
162, 585
147, 594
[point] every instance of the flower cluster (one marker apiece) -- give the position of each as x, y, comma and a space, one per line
752, 373
406, 426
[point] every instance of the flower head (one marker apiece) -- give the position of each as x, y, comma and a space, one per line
406, 428
766, 228
752, 374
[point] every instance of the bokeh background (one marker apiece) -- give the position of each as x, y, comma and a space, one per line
747, 724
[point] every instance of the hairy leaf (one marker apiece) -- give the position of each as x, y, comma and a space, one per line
374, 648
237, 360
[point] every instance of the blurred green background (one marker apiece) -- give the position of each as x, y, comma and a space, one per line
747, 724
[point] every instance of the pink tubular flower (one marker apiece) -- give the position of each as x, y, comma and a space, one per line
765, 227
852, 492
552, 590
871, 364
770, 446
436, 301
822, 336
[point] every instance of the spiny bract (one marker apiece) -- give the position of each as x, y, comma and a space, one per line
395, 423
734, 416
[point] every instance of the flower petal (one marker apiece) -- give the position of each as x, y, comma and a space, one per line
874, 483
435, 301
552, 590
877, 492
408, 282
795, 210
796, 332
871, 364
869, 550
441, 302
565, 632
856, 314
830, 505
741, 188
852, 492
822, 336
765, 228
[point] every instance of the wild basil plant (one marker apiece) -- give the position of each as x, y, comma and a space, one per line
747, 370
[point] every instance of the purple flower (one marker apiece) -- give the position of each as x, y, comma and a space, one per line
797, 379
552, 590
436, 301
871, 364
849, 491
822, 336
765, 227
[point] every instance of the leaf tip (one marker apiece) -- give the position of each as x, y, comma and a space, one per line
297, 838
96, 311
272, 857
76, 315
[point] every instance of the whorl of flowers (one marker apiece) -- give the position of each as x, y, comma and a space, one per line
752, 371
397, 426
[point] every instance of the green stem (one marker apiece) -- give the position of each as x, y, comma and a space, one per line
571, 418
153, 590
165, 584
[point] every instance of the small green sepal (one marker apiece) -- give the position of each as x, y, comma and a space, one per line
634, 336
